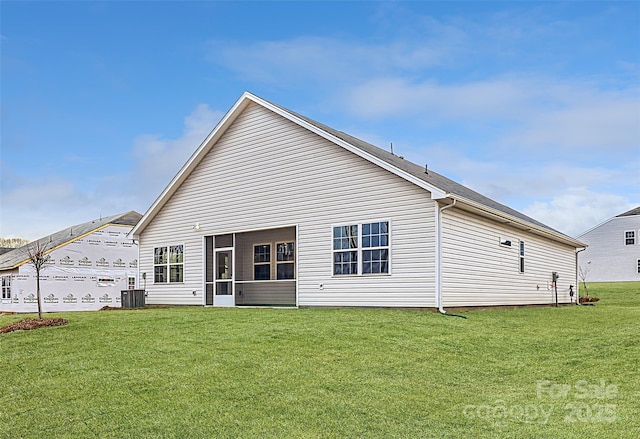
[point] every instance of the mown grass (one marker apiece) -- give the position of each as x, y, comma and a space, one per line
203, 372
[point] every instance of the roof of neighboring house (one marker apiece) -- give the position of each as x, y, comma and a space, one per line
20, 255
441, 188
631, 212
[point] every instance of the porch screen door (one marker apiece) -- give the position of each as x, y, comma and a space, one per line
223, 284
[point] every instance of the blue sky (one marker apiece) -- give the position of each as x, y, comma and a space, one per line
534, 104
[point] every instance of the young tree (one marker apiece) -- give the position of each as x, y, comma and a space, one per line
38, 257
583, 273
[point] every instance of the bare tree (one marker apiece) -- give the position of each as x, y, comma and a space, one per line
38, 257
583, 273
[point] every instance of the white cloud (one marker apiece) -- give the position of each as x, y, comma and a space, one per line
35, 207
157, 159
318, 59
530, 114
576, 210
570, 197
398, 97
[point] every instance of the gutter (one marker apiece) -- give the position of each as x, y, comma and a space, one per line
439, 256
510, 219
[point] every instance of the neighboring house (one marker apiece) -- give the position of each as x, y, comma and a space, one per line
613, 254
274, 208
89, 264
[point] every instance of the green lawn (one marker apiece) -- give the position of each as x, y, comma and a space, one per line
568, 372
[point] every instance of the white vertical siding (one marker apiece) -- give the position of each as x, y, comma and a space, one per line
267, 172
478, 271
608, 258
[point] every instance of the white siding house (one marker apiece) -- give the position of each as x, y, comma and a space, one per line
613, 254
274, 208
89, 264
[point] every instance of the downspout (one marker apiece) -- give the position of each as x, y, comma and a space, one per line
137, 284
439, 256
577, 280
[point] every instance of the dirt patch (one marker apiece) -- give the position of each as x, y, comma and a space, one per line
28, 324
119, 308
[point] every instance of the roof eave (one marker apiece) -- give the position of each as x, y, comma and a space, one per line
219, 130
505, 218
436, 193
190, 165
60, 245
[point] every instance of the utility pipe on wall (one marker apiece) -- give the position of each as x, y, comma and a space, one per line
439, 256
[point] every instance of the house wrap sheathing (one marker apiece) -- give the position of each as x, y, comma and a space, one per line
89, 265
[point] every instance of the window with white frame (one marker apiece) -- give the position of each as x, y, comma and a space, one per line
361, 249
262, 262
521, 256
168, 264
6, 287
285, 260
630, 237
375, 248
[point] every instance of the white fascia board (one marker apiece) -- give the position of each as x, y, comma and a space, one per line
509, 219
190, 165
436, 193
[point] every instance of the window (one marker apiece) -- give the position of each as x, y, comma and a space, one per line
6, 287
368, 254
131, 283
638, 266
285, 257
521, 256
630, 237
345, 245
262, 262
168, 264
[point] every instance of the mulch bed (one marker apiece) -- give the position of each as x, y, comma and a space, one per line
28, 324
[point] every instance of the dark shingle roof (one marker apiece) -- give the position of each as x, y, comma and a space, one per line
439, 181
632, 212
19, 255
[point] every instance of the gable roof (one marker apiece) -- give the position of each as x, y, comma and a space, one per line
631, 212
440, 187
20, 255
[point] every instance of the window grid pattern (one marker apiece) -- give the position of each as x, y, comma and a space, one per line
345, 259
285, 257
521, 268
375, 236
6, 287
361, 249
168, 264
630, 237
262, 262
